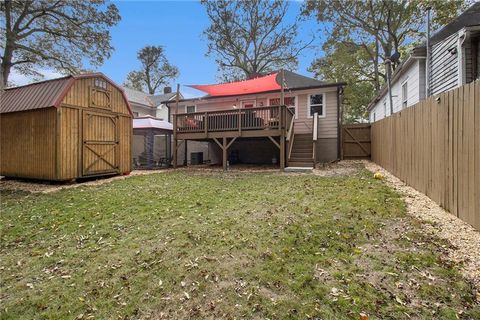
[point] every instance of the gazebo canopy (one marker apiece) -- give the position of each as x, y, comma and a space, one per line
149, 122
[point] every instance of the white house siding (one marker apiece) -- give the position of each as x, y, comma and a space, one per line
414, 75
162, 112
444, 65
140, 110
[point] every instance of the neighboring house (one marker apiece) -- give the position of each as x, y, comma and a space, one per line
244, 122
454, 61
162, 110
144, 104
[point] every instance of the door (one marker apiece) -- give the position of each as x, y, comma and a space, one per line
100, 144
246, 104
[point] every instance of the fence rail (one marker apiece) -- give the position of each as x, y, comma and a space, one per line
434, 146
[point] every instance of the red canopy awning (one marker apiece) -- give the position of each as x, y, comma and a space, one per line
256, 85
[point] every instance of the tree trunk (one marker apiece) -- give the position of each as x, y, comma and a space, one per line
375, 66
6, 65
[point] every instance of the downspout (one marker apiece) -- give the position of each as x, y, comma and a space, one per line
462, 36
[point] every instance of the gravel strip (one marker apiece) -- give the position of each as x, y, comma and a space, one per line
465, 240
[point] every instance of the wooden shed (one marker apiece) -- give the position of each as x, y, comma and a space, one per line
67, 128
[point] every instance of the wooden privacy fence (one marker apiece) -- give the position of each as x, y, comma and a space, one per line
434, 147
356, 141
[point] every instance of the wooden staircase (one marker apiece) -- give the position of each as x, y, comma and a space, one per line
301, 154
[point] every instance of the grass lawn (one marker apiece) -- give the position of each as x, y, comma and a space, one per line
185, 245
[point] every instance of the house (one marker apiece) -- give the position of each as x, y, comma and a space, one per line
247, 122
67, 128
144, 104
454, 61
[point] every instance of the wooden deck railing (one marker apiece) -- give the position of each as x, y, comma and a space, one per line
257, 118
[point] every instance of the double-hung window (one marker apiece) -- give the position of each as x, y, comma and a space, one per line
190, 109
316, 104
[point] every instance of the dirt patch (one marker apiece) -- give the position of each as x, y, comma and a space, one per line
37, 186
464, 239
340, 168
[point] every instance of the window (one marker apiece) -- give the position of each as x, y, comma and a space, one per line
316, 104
404, 94
100, 83
190, 109
290, 102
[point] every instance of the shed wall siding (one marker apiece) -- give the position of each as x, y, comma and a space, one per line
70, 142
27, 144
79, 95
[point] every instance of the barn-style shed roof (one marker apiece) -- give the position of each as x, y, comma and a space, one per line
44, 94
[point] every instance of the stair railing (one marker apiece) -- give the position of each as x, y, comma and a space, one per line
290, 134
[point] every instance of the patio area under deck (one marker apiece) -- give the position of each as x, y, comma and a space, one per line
225, 126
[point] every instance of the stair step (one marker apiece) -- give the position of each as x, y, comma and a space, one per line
303, 144
299, 169
300, 164
306, 140
301, 155
295, 159
302, 149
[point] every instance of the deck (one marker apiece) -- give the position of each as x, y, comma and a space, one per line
252, 122
225, 126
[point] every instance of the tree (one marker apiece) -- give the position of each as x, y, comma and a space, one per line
373, 29
250, 37
351, 64
155, 71
56, 34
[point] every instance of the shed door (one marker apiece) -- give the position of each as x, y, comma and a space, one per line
100, 144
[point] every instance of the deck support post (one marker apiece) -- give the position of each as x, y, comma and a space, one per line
224, 153
185, 158
282, 137
174, 120
175, 151
282, 153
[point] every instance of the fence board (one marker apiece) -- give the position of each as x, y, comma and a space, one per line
434, 146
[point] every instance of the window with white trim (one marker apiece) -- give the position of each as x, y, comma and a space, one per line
404, 94
316, 104
190, 109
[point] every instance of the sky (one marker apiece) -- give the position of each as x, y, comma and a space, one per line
178, 27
